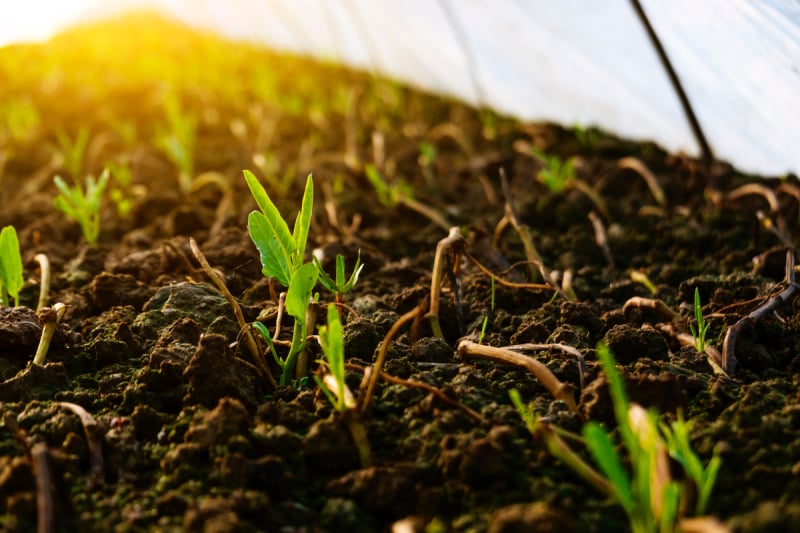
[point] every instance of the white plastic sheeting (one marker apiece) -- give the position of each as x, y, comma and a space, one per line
571, 61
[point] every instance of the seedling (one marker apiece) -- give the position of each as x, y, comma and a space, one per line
699, 333
490, 313
555, 173
10, 266
651, 498
282, 254
178, 138
332, 384
83, 205
121, 192
401, 193
49, 318
339, 286
72, 151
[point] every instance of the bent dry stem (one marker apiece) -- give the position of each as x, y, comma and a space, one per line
560, 391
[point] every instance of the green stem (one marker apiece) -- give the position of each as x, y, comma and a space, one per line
298, 344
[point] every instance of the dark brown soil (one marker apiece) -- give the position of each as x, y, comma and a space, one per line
191, 439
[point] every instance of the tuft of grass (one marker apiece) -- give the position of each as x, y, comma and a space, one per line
83, 204
700, 332
635, 471
555, 173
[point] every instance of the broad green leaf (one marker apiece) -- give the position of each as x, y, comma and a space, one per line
274, 221
299, 293
303, 222
604, 454
10, 263
274, 255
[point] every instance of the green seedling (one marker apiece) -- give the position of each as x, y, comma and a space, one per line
701, 331
339, 286
555, 174
10, 266
401, 193
651, 498
83, 205
332, 384
178, 138
19, 119
72, 151
121, 192
486, 318
282, 254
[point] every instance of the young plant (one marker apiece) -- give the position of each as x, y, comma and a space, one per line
485, 323
178, 138
10, 266
652, 499
699, 333
339, 286
72, 151
401, 193
332, 384
83, 205
555, 174
282, 254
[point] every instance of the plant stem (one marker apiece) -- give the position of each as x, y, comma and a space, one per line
261, 362
50, 317
560, 391
356, 426
44, 285
298, 345
442, 247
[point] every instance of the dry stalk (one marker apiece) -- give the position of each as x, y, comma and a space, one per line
524, 232
728, 346
366, 398
444, 246
49, 317
94, 439
427, 388
44, 284
504, 282
45, 481
560, 391
601, 237
252, 346
569, 350
636, 164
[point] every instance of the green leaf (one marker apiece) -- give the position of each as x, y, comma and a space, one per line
280, 243
605, 455
302, 223
273, 252
10, 263
299, 294
332, 342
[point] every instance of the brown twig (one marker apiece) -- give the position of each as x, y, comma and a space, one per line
601, 237
427, 388
569, 350
94, 439
504, 282
524, 232
237, 311
365, 398
561, 391
443, 247
45, 506
636, 164
44, 284
729, 344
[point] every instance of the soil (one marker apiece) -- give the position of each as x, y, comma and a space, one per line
183, 435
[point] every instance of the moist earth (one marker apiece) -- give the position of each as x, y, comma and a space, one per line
183, 434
